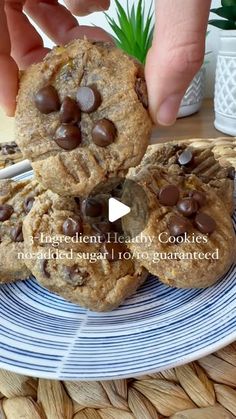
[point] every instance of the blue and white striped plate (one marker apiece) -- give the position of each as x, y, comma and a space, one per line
159, 327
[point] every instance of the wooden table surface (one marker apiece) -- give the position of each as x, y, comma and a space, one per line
199, 125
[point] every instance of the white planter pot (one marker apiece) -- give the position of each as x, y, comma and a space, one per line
193, 97
225, 84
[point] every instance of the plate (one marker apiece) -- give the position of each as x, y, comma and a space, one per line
159, 327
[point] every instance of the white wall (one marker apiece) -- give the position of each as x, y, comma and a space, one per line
211, 45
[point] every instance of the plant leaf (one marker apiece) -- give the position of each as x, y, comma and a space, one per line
139, 24
123, 20
119, 34
228, 12
223, 24
148, 31
132, 24
228, 2
133, 28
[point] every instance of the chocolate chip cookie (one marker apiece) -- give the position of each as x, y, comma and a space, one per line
74, 253
189, 239
182, 158
82, 116
16, 200
9, 154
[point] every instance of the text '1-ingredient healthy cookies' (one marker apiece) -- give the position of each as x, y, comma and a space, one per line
16, 201
82, 116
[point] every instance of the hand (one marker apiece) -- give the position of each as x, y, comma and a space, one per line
21, 45
176, 55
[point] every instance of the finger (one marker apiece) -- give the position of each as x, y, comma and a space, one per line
176, 55
85, 7
8, 68
58, 22
27, 44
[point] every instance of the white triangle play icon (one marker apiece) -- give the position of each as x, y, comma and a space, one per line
117, 210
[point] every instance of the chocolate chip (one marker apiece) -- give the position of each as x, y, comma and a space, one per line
72, 226
231, 173
77, 200
169, 195
178, 225
88, 98
199, 197
91, 207
141, 90
75, 275
16, 234
28, 204
102, 229
114, 251
68, 137
187, 206
47, 100
104, 133
69, 112
8, 149
205, 223
118, 190
186, 158
44, 264
117, 226
5, 212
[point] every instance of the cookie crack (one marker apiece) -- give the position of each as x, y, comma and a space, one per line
67, 170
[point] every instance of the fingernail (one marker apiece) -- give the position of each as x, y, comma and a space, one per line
9, 114
168, 110
88, 10
95, 8
7, 110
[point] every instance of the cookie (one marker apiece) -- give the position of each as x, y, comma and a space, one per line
189, 241
9, 154
80, 260
82, 116
16, 200
200, 161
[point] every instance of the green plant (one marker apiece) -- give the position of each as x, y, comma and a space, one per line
133, 29
228, 12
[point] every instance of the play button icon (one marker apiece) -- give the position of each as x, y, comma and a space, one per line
119, 204
117, 210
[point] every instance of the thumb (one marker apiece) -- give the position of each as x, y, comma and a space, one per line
176, 55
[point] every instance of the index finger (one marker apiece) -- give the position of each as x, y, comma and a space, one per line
8, 68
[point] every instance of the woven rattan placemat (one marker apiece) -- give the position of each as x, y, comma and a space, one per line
205, 389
